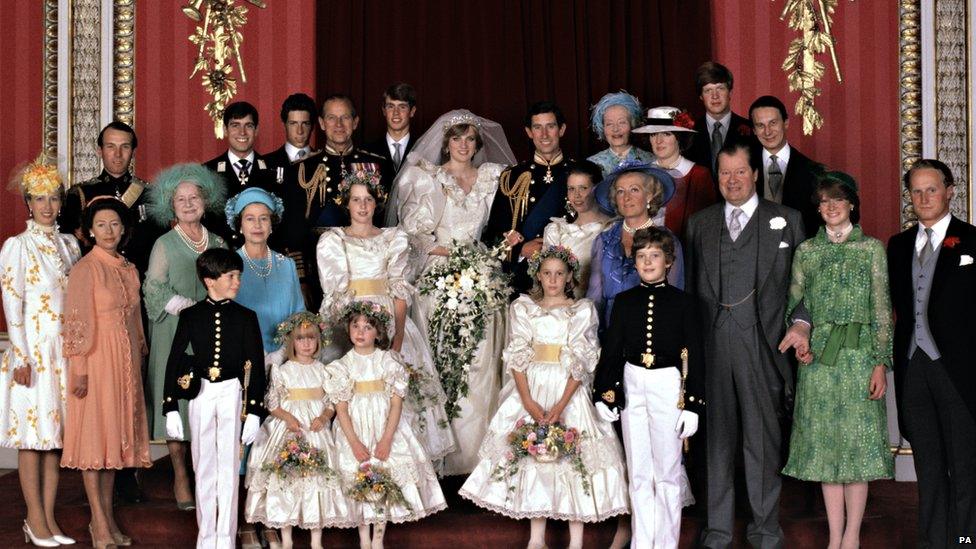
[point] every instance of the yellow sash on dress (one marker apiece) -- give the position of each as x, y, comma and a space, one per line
547, 352
369, 386
368, 286
306, 393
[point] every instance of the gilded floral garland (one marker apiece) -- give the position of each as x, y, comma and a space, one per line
219, 39
813, 19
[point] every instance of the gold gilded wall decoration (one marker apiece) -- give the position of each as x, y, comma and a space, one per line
219, 38
813, 19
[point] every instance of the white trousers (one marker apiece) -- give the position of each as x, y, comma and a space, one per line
215, 427
653, 455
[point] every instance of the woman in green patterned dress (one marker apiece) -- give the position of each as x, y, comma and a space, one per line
840, 435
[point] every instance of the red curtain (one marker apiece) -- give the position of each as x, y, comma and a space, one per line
496, 58
860, 131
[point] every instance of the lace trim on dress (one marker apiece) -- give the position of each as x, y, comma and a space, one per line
541, 514
518, 356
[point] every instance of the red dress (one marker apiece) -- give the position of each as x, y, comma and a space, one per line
103, 339
693, 192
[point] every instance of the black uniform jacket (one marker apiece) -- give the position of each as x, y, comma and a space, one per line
223, 337
664, 316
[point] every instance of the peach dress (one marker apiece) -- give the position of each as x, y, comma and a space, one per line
103, 339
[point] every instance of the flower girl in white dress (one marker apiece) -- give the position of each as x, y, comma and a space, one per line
289, 484
383, 466
577, 474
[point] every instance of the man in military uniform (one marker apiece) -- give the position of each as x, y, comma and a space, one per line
312, 189
115, 146
531, 192
298, 113
240, 166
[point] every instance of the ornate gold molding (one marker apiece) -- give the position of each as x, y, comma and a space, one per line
124, 61
49, 99
910, 96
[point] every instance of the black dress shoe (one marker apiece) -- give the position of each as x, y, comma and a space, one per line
127, 487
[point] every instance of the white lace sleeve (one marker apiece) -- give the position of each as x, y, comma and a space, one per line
338, 384
395, 375
330, 256
399, 252
582, 350
518, 354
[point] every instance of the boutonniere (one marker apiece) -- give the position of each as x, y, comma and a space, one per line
745, 130
950, 241
965, 259
777, 223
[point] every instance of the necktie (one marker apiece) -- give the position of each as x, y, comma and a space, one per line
396, 156
716, 144
775, 178
926, 250
735, 223
242, 171
301, 154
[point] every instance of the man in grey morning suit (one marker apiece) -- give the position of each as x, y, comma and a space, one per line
739, 255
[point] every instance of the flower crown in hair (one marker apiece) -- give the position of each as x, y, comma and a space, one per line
302, 320
464, 118
40, 178
561, 253
373, 311
370, 179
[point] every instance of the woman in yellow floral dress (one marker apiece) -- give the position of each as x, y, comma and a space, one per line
33, 276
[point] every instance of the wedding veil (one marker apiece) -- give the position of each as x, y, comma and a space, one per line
428, 148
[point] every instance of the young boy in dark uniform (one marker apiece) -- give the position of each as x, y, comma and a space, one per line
227, 360
651, 371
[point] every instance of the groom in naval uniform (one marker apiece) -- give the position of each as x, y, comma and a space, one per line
530, 193
739, 255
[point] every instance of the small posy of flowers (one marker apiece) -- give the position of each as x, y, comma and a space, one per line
467, 289
950, 241
777, 223
545, 443
296, 458
374, 485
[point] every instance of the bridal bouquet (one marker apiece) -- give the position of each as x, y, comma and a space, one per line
545, 443
298, 458
373, 484
467, 289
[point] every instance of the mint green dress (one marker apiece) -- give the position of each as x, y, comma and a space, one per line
839, 435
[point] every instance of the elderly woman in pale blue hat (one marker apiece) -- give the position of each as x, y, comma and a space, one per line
269, 281
637, 193
613, 118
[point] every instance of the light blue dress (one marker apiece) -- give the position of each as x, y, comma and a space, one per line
274, 294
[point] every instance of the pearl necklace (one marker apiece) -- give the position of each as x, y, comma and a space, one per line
643, 225
197, 246
260, 273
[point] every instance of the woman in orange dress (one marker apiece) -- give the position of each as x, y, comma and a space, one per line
105, 428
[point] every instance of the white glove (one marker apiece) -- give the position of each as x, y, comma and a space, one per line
174, 426
250, 430
606, 414
176, 304
687, 424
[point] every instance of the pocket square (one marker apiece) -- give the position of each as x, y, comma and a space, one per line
783, 245
965, 259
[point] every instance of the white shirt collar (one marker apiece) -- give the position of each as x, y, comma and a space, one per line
402, 141
681, 168
232, 156
782, 156
938, 233
748, 208
725, 120
292, 151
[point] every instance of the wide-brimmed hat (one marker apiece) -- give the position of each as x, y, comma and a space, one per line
604, 188
666, 119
